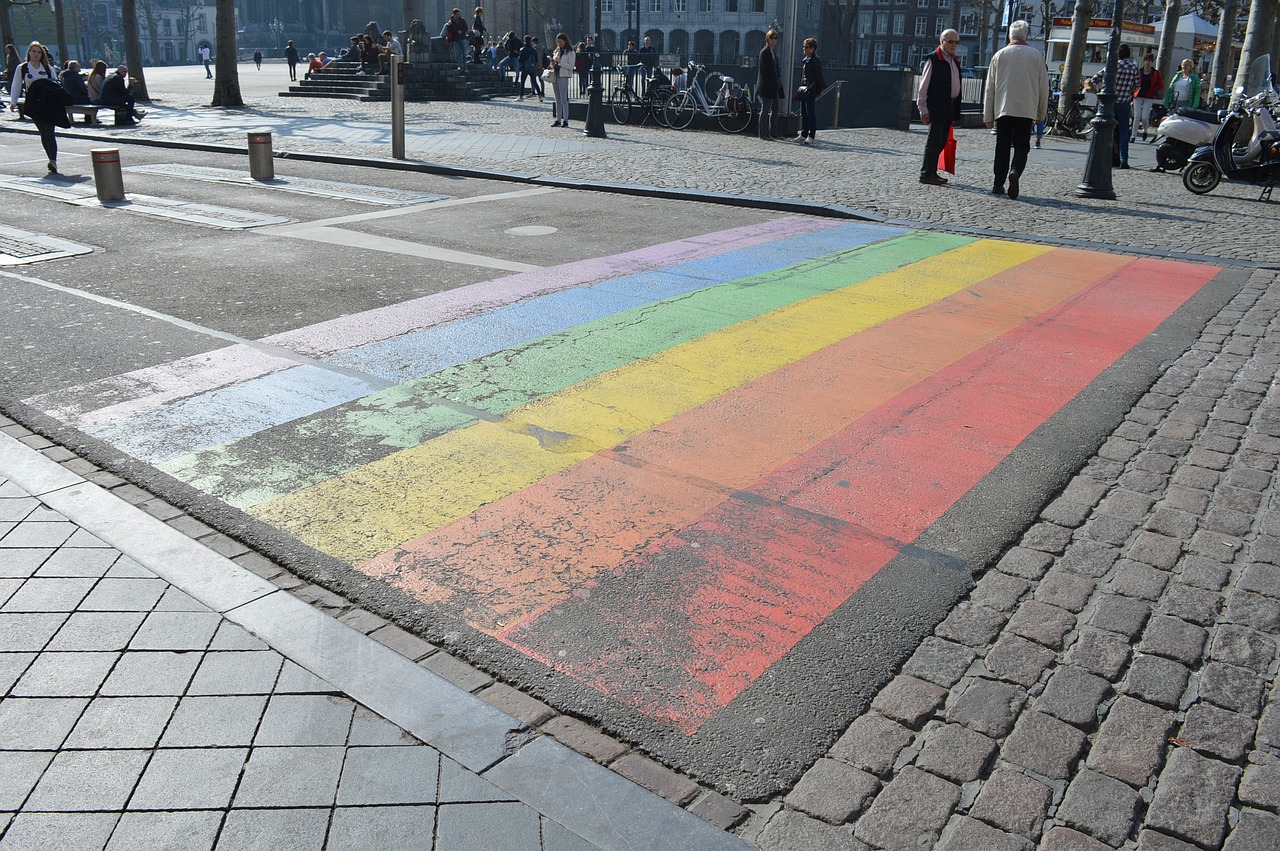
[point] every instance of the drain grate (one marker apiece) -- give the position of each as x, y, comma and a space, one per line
18, 247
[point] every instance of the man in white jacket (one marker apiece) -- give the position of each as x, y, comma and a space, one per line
1017, 97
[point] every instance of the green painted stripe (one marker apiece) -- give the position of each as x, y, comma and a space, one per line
294, 455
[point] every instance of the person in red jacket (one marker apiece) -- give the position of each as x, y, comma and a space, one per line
1150, 90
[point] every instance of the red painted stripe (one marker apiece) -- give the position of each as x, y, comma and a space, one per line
701, 614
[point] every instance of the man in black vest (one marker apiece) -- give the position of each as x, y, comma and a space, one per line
939, 102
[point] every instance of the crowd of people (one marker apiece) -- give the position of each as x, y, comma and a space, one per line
41, 90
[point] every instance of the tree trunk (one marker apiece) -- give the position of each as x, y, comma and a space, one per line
226, 85
1222, 51
1168, 34
1071, 73
60, 31
133, 49
1258, 37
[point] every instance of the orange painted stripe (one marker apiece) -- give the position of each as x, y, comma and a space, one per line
529, 550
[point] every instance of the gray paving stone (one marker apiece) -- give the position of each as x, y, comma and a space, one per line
909, 700
1012, 801
1205, 573
297, 680
368, 728
97, 631
73, 674
178, 601
1066, 590
1154, 549
459, 786
1228, 521
305, 720
124, 595
1230, 687
175, 630
1238, 645
872, 743
1066, 512
122, 722
232, 637
20, 632
1269, 724
986, 706
38, 723
237, 672
1261, 579
19, 773
833, 792
189, 779
21, 563
78, 562
940, 662
1043, 744
1260, 786
30, 534
1192, 604
214, 722
12, 666
49, 595
1066, 839
1174, 639
964, 833
383, 828
1172, 521
1099, 652
280, 829
88, 780
1192, 797
1109, 529
1048, 538
1217, 732
1131, 742
1073, 695
389, 775
148, 673
1123, 615
1100, 806
1129, 504
1042, 623
955, 753
909, 811
1026, 563
789, 829
487, 826
1256, 831
999, 591
971, 624
1190, 500
1215, 545
1254, 610
42, 831
1018, 660
290, 777
187, 831
1134, 579
1149, 840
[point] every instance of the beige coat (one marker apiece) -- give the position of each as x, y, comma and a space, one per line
1017, 84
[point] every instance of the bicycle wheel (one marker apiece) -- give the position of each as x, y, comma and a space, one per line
658, 107
736, 115
1082, 123
620, 103
679, 111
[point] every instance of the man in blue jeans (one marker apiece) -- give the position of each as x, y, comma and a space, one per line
1127, 77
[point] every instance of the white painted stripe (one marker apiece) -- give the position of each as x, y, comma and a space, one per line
370, 242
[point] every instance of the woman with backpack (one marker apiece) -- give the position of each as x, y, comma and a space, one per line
529, 69
38, 66
46, 100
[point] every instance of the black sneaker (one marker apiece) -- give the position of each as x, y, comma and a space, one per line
1013, 186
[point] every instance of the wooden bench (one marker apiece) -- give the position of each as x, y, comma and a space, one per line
88, 110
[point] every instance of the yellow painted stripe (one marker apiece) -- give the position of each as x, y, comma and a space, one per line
372, 509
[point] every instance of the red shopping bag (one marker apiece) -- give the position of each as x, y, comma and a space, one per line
947, 159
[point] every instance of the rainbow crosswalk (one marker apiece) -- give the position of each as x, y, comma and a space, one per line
689, 455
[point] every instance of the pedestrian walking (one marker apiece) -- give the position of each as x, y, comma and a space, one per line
529, 69
1184, 88
562, 65
46, 101
478, 33
1150, 90
1126, 84
257, 58
812, 82
11, 62
768, 84
205, 56
455, 33
38, 66
1017, 96
291, 57
939, 102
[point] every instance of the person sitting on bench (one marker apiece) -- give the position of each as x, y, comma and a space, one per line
73, 82
115, 93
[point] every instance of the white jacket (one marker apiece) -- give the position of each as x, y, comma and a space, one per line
1017, 84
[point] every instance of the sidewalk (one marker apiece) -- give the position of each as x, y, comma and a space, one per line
160, 695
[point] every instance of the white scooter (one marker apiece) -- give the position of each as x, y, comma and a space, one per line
1180, 133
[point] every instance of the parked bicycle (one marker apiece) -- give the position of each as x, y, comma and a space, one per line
1075, 121
731, 104
625, 101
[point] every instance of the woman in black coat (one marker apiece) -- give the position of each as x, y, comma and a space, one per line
46, 105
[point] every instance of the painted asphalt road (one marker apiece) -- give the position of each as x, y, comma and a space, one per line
680, 486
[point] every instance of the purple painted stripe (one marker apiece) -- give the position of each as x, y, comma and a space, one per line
109, 400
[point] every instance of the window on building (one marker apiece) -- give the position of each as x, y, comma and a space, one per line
944, 4
864, 53
882, 23
704, 5
879, 52
757, 6
922, 4
655, 5
864, 23
201, 24
940, 25
679, 6
731, 5
899, 23
922, 26
895, 54
606, 6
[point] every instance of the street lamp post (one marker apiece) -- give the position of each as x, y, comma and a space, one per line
595, 92
1097, 168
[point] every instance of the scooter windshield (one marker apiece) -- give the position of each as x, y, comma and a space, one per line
1258, 80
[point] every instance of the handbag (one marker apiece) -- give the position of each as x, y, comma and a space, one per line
549, 75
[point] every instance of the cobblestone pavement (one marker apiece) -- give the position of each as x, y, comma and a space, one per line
1112, 681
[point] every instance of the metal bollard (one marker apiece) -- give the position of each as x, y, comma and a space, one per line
261, 166
107, 179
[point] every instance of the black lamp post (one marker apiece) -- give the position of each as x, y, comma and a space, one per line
1097, 168
595, 92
